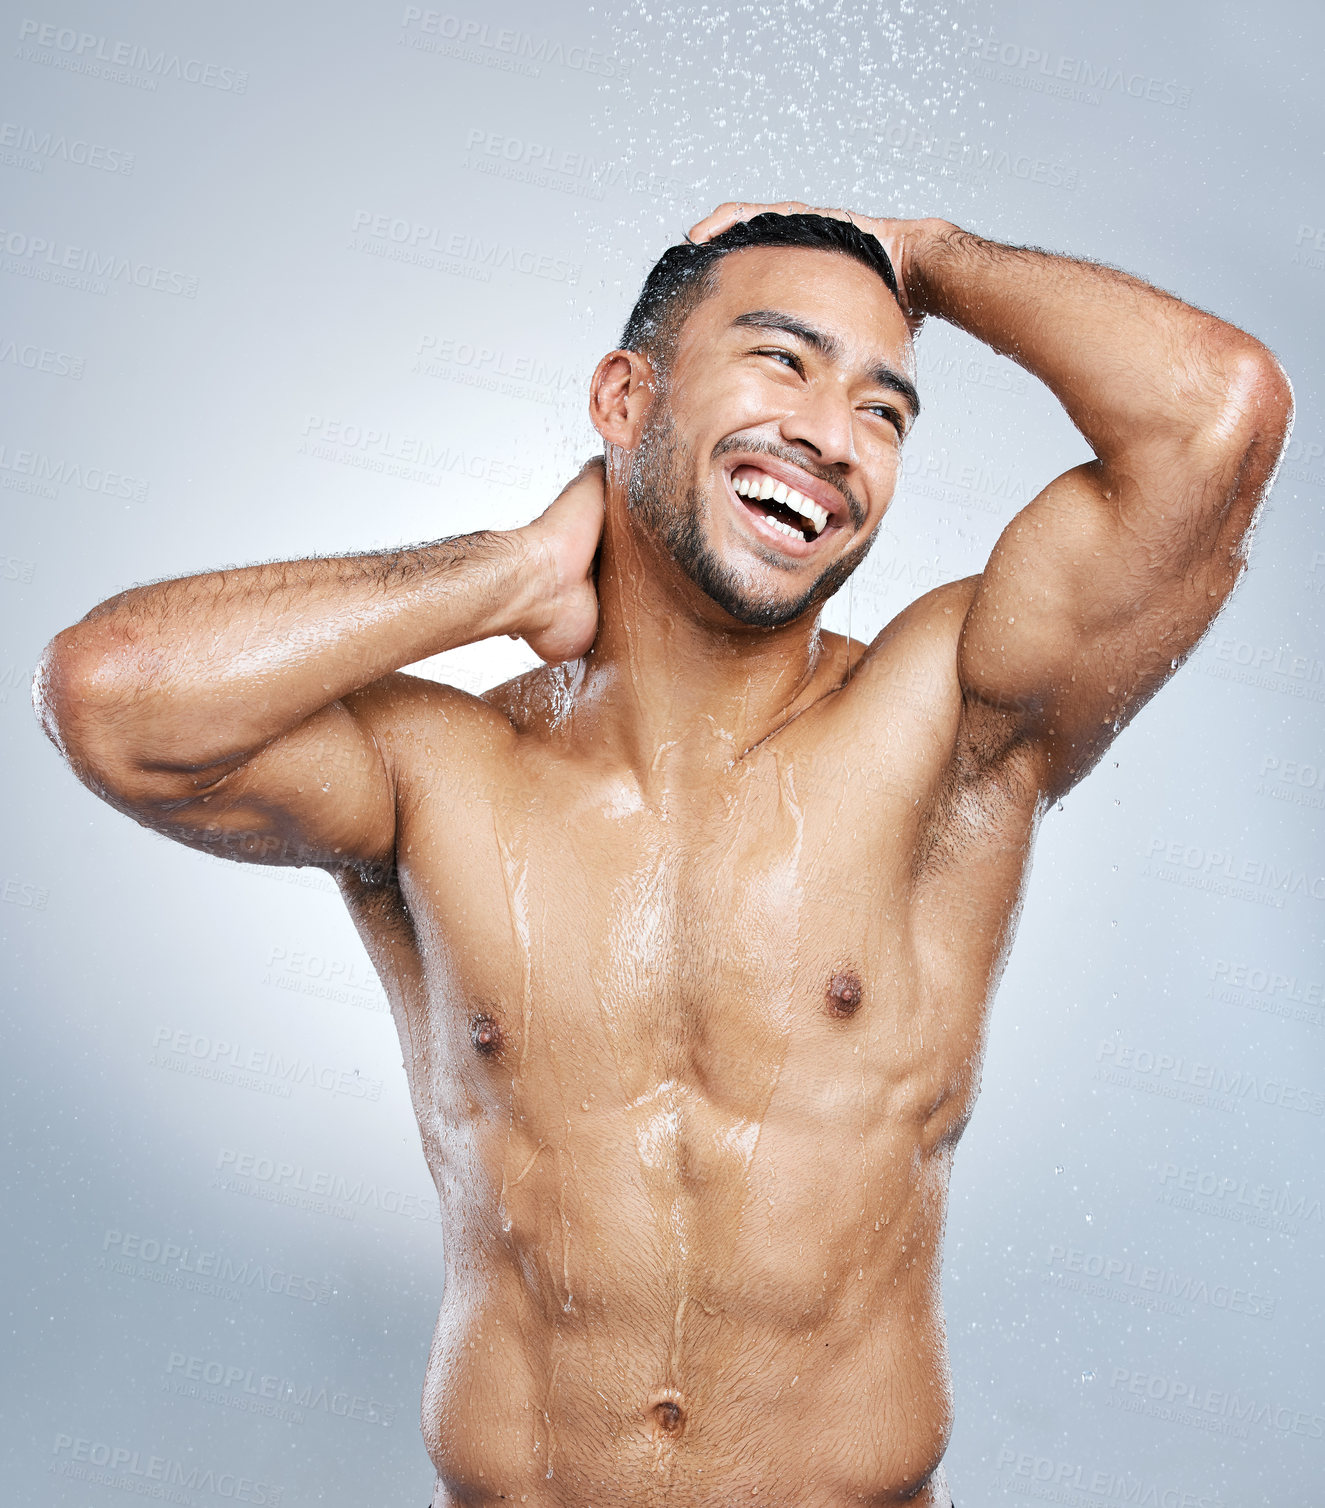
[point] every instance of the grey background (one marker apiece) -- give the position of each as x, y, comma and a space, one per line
225, 322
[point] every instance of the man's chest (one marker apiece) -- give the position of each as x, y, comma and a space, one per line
711, 908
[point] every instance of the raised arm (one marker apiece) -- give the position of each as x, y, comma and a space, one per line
1100, 586
240, 711
1104, 582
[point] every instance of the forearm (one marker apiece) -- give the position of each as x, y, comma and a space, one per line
206, 669
1131, 365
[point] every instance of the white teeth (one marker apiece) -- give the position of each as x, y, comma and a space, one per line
817, 516
765, 486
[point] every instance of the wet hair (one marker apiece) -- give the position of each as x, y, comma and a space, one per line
684, 276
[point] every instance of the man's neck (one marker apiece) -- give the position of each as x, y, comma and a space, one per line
673, 685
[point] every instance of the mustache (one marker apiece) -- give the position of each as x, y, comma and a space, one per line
855, 508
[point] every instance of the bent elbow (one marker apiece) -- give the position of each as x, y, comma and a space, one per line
63, 684
81, 700
1256, 410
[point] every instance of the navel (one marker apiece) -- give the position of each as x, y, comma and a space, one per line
667, 1410
669, 1416
844, 994
485, 1034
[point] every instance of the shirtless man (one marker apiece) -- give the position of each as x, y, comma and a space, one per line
691, 933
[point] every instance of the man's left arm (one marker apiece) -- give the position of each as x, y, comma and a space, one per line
1105, 581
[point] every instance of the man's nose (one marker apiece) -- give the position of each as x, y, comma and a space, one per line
824, 421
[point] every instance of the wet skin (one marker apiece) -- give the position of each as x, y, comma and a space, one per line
705, 1173
691, 938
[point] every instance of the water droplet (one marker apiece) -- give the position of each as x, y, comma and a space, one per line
1058, 1167
1088, 1377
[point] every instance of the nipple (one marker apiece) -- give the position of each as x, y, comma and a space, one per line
485, 1034
845, 992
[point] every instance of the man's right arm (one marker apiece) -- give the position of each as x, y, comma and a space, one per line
236, 710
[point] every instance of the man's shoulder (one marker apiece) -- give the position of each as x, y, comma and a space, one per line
901, 702
404, 702
421, 726
916, 651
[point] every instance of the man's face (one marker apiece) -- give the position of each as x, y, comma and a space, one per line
797, 375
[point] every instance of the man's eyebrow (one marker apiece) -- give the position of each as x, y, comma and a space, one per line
771, 319
887, 376
820, 340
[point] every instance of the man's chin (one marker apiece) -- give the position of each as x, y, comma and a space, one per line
755, 589
751, 603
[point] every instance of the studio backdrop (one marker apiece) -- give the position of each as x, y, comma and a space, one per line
318, 278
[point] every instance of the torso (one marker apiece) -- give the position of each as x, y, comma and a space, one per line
689, 1069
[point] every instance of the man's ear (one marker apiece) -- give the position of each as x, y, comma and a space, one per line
621, 392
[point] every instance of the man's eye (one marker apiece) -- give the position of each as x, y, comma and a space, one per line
890, 414
787, 358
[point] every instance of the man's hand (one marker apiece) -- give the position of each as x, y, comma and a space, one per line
563, 546
903, 240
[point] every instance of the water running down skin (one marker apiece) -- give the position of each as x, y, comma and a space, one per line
690, 935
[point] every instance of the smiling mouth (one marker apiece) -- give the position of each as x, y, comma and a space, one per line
775, 503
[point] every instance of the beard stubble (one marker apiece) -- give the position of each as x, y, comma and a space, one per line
662, 495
